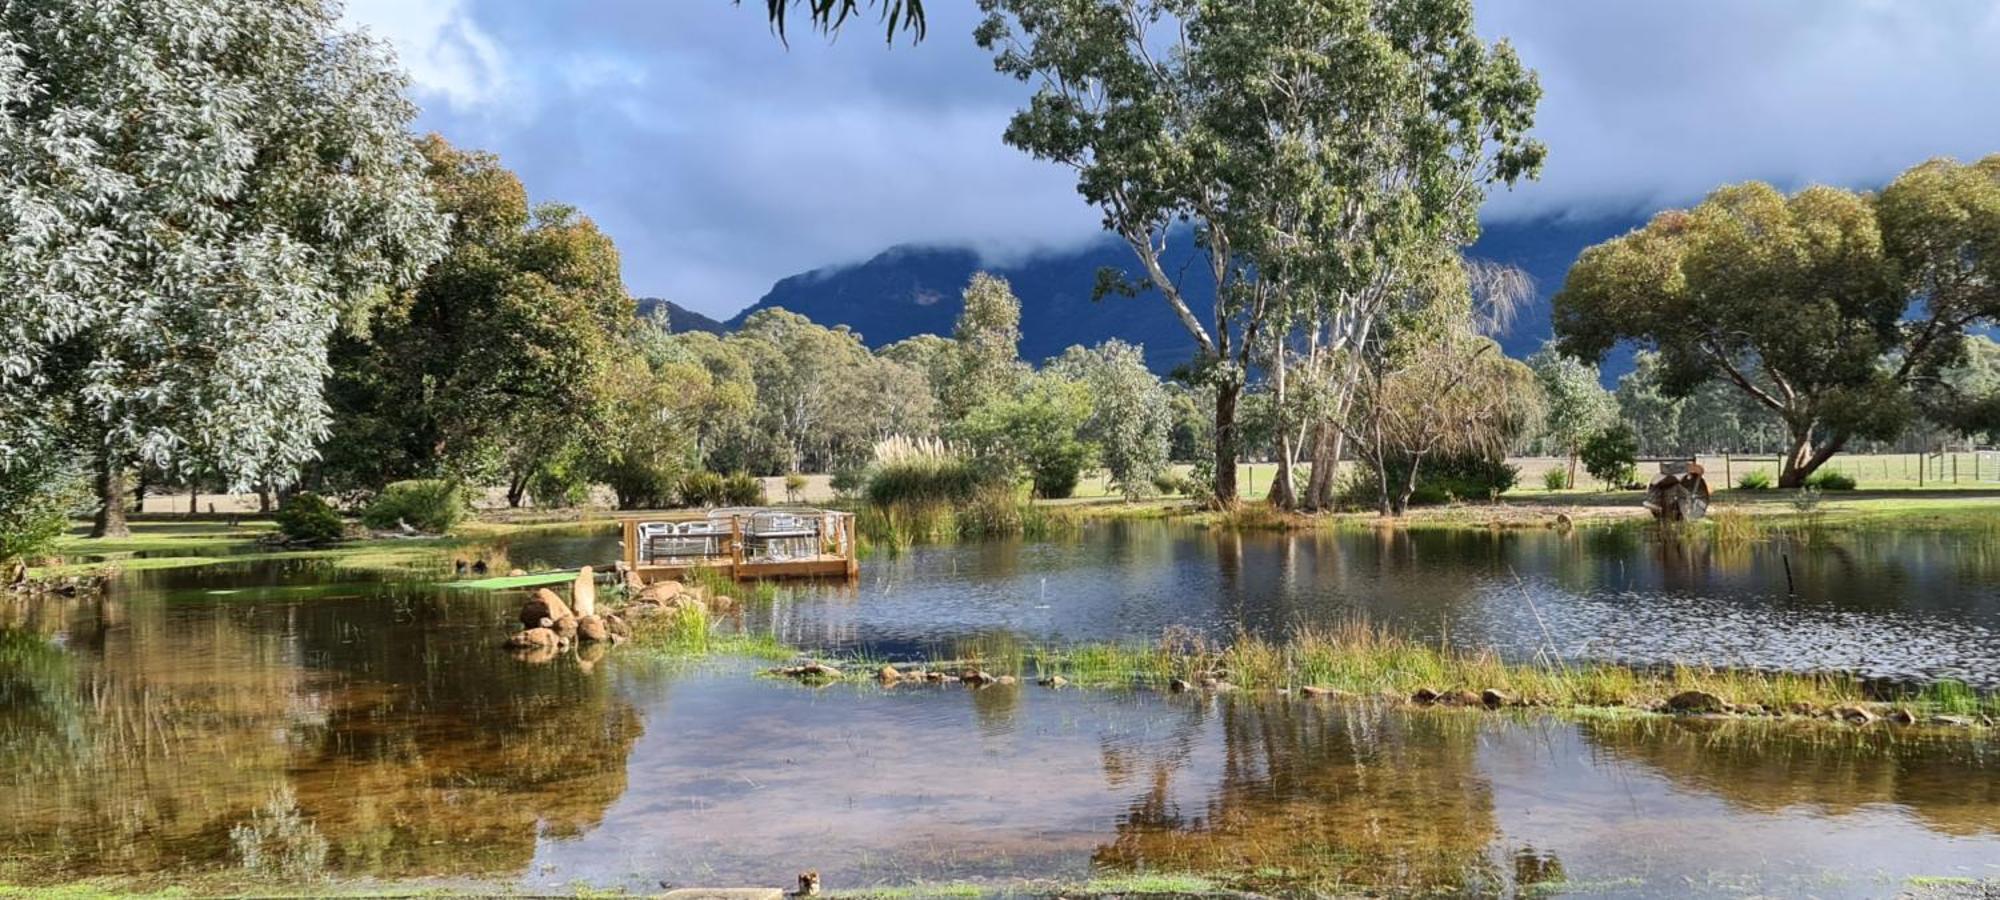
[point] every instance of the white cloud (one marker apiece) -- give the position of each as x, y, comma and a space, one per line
444, 50
721, 161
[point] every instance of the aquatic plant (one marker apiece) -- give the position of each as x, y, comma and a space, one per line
280, 842
1367, 660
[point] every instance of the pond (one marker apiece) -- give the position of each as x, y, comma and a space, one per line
280, 720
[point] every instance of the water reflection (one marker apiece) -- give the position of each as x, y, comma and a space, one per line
1887, 605
137, 733
143, 733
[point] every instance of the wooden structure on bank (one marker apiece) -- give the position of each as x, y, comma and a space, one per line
742, 543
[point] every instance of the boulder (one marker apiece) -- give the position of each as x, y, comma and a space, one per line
1495, 698
617, 626
975, 677
1460, 697
583, 593
1052, 681
1178, 686
1696, 702
1424, 696
533, 638
566, 626
811, 672
1855, 715
888, 675
661, 592
516, 573
630, 579
1313, 690
722, 603
1903, 717
544, 605
1952, 721
591, 628
1004, 679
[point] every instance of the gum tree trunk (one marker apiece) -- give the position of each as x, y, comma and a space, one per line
1226, 395
111, 497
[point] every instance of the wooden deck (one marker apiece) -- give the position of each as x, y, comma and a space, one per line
737, 549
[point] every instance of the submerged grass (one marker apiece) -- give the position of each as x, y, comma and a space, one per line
690, 634
1362, 659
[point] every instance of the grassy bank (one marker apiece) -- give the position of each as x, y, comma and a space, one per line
178, 544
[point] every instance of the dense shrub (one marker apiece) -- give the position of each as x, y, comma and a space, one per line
1439, 480
35, 501
795, 487
848, 483
743, 489
1612, 456
1755, 480
1556, 479
703, 489
307, 518
1167, 483
429, 505
639, 484
1829, 480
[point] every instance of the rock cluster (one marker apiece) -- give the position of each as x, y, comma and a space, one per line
550, 625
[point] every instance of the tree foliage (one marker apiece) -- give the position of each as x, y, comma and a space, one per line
489, 369
1313, 146
195, 193
1828, 308
1034, 433
1130, 414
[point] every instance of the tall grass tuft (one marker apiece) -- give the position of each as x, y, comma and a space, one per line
922, 490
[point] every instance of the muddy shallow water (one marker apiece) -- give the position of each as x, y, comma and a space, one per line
294, 718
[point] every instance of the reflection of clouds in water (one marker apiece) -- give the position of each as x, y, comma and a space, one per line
1891, 605
1638, 628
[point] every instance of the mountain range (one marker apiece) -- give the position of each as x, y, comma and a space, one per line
679, 318
909, 290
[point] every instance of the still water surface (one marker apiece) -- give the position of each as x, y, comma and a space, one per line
293, 716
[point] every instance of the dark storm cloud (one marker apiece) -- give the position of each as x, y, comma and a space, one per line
720, 161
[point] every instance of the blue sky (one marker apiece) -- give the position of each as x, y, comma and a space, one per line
721, 161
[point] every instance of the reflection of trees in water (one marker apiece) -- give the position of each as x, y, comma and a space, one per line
410, 742
1317, 794
1949, 782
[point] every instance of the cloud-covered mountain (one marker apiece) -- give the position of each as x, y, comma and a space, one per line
911, 290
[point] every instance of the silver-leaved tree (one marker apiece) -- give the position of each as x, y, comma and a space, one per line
195, 194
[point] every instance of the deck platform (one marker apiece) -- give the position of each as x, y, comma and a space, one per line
745, 543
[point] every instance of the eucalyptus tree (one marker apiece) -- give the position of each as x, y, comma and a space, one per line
196, 193
1131, 415
805, 376
986, 341
829, 15
1830, 309
1314, 146
1575, 402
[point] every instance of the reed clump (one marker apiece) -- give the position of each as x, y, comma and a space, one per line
923, 490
